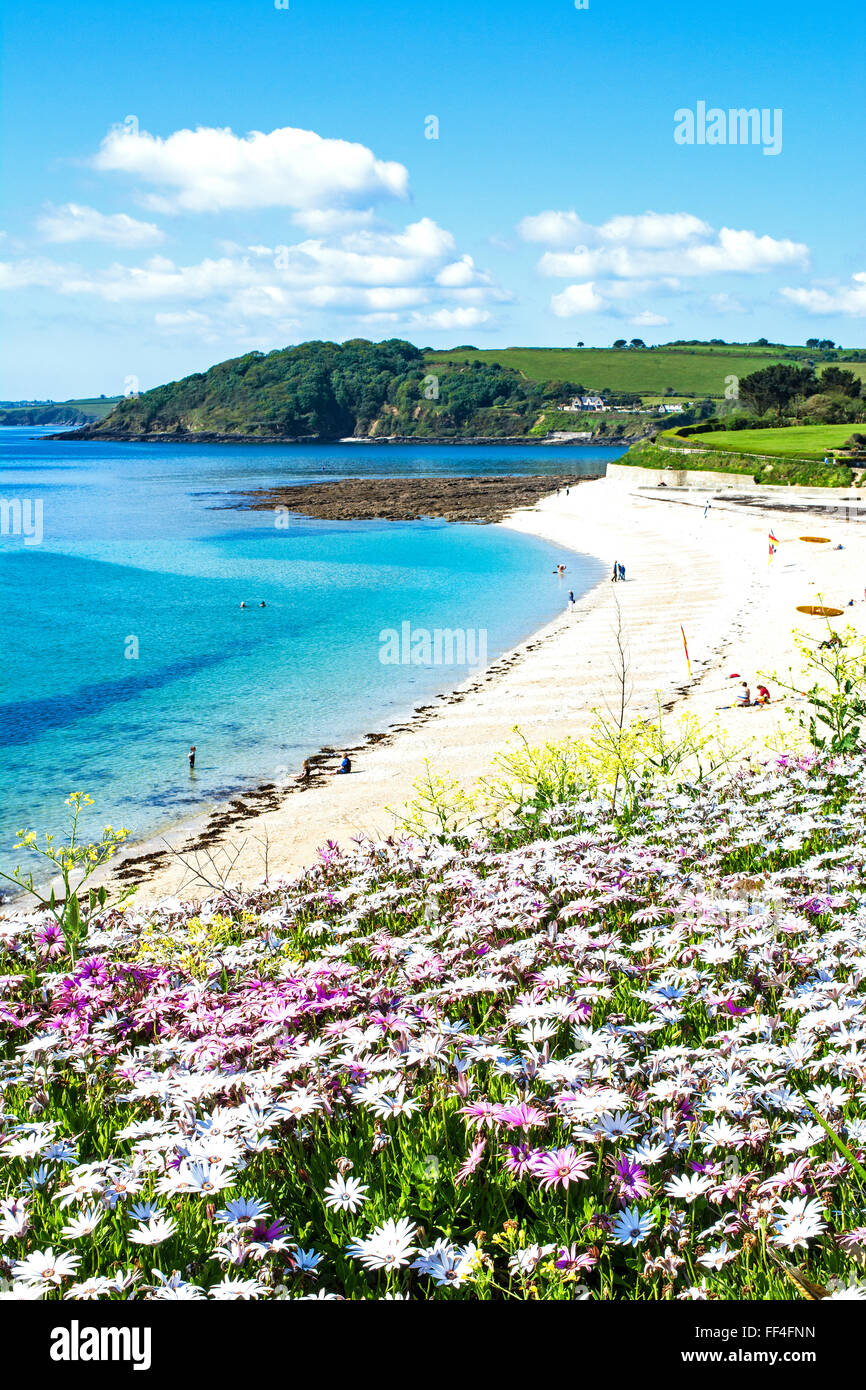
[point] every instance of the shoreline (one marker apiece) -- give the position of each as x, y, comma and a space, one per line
708, 573
87, 435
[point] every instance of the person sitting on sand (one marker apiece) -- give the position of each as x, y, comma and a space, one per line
305, 773
345, 765
745, 697
763, 695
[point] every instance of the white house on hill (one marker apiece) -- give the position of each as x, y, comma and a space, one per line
581, 403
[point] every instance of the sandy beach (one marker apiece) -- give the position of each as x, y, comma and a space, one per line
706, 571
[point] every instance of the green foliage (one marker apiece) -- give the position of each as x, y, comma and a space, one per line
836, 698
613, 762
772, 388
197, 953
442, 807
845, 382
75, 861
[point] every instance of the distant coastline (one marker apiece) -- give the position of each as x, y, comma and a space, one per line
421, 441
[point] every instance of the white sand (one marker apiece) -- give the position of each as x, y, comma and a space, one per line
709, 574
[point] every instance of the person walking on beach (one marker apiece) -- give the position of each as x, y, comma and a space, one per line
571, 598
191, 756
615, 574
621, 569
706, 509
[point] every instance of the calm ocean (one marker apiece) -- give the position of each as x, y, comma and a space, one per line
137, 544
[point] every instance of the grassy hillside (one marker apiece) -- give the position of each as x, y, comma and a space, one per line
691, 372
792, 441
75, 412
96, 406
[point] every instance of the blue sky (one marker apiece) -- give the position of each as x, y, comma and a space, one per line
147, 233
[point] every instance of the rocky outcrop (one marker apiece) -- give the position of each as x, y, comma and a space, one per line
477, 500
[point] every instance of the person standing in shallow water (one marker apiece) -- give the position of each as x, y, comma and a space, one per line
191, 756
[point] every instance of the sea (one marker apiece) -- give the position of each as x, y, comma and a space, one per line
123, 639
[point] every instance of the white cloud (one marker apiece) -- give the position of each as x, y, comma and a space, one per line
332, 221
726, 304
652, 247
451, 318
654, 229
412, 275
648, 229
732, 251
555, 229
845, 299
647, 319
459, 274
187, 318
210, 170
74, 222
577, 299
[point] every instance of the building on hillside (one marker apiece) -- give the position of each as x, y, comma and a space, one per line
581, 403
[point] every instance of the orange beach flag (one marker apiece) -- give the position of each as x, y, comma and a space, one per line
686, 649
774, 541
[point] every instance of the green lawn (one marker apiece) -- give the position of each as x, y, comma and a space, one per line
792, 441
691, 372
95, 405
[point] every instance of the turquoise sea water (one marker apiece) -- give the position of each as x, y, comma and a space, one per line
138, 543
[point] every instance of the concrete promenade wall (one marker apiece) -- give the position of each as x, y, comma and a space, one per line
633, 477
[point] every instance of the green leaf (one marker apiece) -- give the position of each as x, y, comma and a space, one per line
839, 1143
73, 916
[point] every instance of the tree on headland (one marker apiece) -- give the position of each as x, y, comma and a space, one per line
620, 343
838, 381
773, 388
